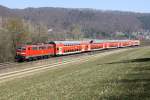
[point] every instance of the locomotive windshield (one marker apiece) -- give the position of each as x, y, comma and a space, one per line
21, 49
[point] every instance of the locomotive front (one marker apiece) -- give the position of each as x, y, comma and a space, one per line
20, 54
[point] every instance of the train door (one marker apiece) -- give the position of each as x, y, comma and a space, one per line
121, 44
103, 45
60, 52
108, 45
89, 47
83, 47
118, 44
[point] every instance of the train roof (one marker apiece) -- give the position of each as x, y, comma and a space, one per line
67, 42
100, 41
84, 41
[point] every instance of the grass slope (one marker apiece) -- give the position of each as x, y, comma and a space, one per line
125, 76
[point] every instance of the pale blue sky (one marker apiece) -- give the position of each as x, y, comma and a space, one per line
123, 5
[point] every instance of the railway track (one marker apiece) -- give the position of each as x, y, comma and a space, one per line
6, 67
35, 69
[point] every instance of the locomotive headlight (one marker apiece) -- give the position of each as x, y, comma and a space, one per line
23, 53
18, 53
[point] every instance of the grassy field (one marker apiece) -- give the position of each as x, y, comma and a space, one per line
122, 76
145, 43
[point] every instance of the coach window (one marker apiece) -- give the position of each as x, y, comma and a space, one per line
49, 47
41, 48
23, 48
34, 48
57, 48
29, 48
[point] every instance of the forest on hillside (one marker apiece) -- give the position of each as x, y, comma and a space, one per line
40, 25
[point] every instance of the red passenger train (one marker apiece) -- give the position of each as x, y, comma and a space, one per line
54, 48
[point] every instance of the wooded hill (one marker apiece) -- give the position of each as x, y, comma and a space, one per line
31, 25
90, 22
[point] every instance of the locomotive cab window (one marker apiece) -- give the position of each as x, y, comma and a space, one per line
21, 48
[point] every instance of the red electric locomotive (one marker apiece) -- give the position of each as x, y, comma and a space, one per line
30, 52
